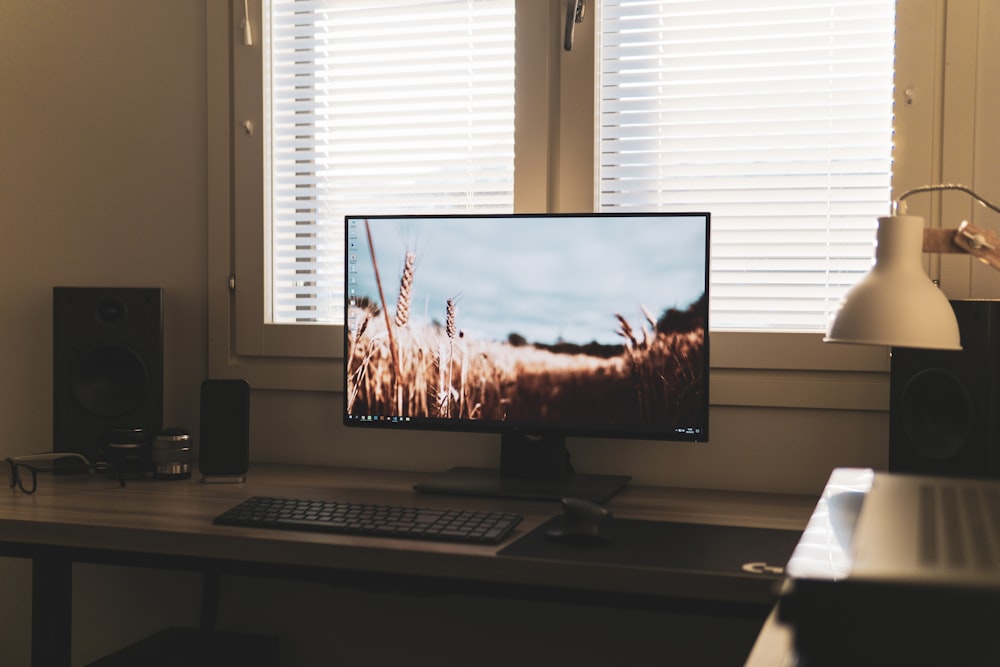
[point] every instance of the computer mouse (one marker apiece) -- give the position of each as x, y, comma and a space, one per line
584, 523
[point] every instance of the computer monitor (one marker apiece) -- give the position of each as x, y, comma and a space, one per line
532, 327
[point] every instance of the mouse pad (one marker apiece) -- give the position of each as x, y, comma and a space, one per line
673, 545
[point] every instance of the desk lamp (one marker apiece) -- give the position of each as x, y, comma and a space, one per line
896, 304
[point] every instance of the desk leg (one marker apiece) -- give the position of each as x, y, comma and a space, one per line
51, 611
210, 585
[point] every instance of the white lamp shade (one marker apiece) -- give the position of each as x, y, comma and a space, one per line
896, 304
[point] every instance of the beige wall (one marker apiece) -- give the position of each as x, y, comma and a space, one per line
103, 182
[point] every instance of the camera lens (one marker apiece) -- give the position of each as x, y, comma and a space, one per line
172, 454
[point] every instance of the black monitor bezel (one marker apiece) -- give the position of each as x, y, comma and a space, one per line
532, 430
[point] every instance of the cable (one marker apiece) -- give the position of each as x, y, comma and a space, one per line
944, 186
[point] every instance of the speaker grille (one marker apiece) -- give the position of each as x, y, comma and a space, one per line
943, 404
937, 413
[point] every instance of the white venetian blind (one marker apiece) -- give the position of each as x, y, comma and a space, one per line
378, 106
775, 116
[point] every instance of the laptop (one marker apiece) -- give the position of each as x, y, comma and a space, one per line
897, 569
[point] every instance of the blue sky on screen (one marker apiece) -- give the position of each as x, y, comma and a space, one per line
548, 279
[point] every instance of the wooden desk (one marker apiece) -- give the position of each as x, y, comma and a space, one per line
774, 646
168, 524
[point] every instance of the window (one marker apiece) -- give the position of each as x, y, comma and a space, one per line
558, 148
777, 117
378, 106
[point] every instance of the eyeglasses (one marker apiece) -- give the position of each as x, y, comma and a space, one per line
24, 475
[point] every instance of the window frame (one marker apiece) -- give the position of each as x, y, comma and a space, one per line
763, 369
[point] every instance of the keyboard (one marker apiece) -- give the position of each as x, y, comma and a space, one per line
421, 523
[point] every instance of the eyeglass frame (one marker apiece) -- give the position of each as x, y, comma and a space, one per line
15, 464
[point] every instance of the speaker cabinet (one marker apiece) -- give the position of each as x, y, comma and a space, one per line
943, 405
224, 436
107, 363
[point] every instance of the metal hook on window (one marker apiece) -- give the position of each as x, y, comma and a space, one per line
247, 29
575, 11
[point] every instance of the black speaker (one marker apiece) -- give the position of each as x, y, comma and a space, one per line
107, 365
943, 405
224, 436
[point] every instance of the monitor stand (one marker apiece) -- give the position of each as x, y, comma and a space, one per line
531, 468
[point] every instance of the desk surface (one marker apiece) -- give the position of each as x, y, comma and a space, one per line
171, 521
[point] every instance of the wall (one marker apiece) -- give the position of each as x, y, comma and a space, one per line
103, 182
793, 450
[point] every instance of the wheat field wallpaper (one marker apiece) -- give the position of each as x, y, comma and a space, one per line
584, 322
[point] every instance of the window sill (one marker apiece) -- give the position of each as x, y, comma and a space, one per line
777, 370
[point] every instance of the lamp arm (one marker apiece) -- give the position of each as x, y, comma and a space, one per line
900, 206
980, 243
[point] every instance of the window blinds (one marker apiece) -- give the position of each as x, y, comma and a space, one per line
775, 116
378, 106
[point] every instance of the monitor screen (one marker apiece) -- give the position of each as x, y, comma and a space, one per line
544, 326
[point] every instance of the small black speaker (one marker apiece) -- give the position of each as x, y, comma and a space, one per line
107, 365
943, 405
224, 437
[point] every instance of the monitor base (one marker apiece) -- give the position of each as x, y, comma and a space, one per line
489, 482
